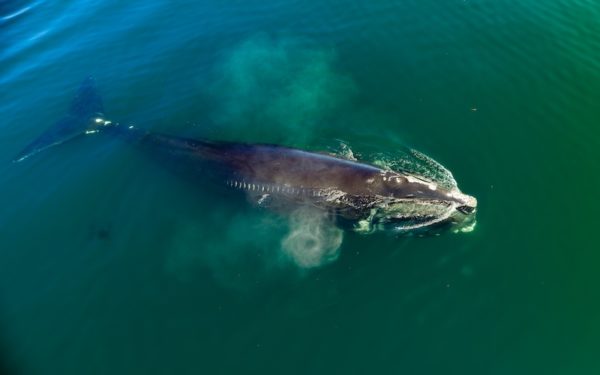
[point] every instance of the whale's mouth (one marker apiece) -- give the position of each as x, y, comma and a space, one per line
466, 209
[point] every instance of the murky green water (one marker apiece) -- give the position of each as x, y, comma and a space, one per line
109, 263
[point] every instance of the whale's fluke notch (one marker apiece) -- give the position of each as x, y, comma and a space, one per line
85, 114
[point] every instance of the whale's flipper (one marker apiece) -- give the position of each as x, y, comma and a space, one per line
86, 114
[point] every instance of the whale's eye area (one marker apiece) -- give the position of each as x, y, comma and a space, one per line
466, 209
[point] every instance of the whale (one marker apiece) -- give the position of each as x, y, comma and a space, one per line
356, 195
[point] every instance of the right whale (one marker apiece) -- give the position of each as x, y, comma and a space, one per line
361, 196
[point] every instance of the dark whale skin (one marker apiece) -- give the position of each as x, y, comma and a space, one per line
292, 175
276, 176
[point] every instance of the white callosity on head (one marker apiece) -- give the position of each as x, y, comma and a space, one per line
466, 199
414, 180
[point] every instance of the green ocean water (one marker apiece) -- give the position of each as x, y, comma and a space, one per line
111, 264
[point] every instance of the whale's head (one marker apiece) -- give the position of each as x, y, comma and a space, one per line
409, 204
428, 216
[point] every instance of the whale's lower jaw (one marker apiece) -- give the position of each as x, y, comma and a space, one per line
419, 216
423, 217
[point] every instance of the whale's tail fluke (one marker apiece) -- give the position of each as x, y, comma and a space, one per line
86, 115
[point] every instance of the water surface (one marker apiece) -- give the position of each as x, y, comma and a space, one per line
111, 264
